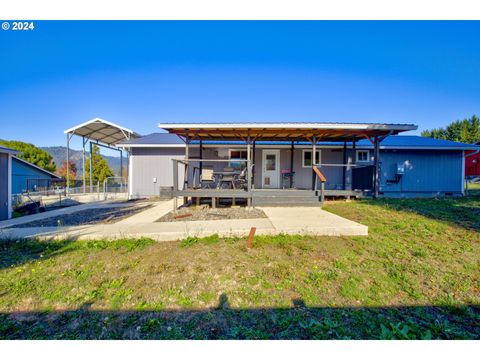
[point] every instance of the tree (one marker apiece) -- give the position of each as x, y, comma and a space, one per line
466, 131
32, 154
72, 171
101, 170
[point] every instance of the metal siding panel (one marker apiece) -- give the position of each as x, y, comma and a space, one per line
21, 172
425, 171
3, 186
149, 163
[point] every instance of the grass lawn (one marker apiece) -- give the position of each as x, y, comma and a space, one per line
416, 276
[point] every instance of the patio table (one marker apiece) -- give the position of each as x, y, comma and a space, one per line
226, 177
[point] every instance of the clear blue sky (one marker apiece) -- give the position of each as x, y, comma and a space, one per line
140, 73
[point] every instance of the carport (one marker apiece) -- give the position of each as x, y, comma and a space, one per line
102, 133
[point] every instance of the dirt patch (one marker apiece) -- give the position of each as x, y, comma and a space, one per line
88, 217
205, 213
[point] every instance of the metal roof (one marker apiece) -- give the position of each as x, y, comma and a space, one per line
299, 131
103, 131
5, 150
154, 139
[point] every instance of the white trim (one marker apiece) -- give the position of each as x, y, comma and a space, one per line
313, 125
37, 167
277, 153
357, 160
124, 146
9, 187
318, 158
463, 173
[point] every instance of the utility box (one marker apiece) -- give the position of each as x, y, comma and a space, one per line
400, 169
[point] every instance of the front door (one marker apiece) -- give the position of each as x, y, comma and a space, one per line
271, 169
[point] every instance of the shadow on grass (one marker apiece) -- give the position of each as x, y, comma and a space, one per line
15, 252
464, 212
224, 322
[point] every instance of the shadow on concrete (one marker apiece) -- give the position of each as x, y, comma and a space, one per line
224, 322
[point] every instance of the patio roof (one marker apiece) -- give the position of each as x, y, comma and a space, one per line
290, 131
102, 131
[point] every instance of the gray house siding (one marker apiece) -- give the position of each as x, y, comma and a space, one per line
427, 172
149, 163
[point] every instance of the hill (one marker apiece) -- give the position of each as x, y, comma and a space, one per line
59, 154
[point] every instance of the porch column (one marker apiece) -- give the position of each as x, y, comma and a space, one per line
83, 163
91, 167
201, 162
185, 179
314, 161
68, 157
376, 175
291, 164
249, 174
253, 166
354, 161
344, 166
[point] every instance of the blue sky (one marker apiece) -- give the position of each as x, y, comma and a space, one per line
140, 73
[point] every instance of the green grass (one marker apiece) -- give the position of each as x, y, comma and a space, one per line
416, 276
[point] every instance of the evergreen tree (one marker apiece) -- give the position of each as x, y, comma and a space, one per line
32, 154
101, 170
466, 131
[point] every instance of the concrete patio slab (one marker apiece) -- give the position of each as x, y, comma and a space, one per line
289, 220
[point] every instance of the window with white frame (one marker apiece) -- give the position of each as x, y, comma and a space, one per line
307, 158
237, 155
363, 155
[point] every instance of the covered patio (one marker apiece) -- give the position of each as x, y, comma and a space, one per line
291, 134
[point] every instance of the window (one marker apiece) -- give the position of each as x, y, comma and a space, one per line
363, 155
237, 155
307, 158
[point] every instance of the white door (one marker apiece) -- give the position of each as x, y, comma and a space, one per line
271, 169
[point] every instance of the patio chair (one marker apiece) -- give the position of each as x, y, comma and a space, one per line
207, 178
240, 181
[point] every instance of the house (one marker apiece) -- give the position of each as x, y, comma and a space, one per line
352, 159
26, 176
6, 155
472, 163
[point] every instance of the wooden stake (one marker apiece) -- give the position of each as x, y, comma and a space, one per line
250, 237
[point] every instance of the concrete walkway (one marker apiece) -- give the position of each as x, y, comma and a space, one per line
289, 220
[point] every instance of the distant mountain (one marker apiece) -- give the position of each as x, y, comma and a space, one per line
59, 155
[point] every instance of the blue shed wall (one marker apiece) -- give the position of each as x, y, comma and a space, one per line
426, 171
21, 172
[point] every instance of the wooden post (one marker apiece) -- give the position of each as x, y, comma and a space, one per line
291, 164
251, 235
376, 175
322, 194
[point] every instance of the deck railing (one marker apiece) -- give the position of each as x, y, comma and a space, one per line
322, 179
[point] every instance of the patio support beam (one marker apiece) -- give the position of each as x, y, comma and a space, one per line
344, 179
253, 165
249, 172
68, 157
201, 157
185, 180
376, 177
83, 163
314, 161
91, 167
292, 147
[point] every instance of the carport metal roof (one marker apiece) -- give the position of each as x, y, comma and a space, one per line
291, 131
102, 131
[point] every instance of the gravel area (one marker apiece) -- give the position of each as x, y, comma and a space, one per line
88, 217
206, 213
